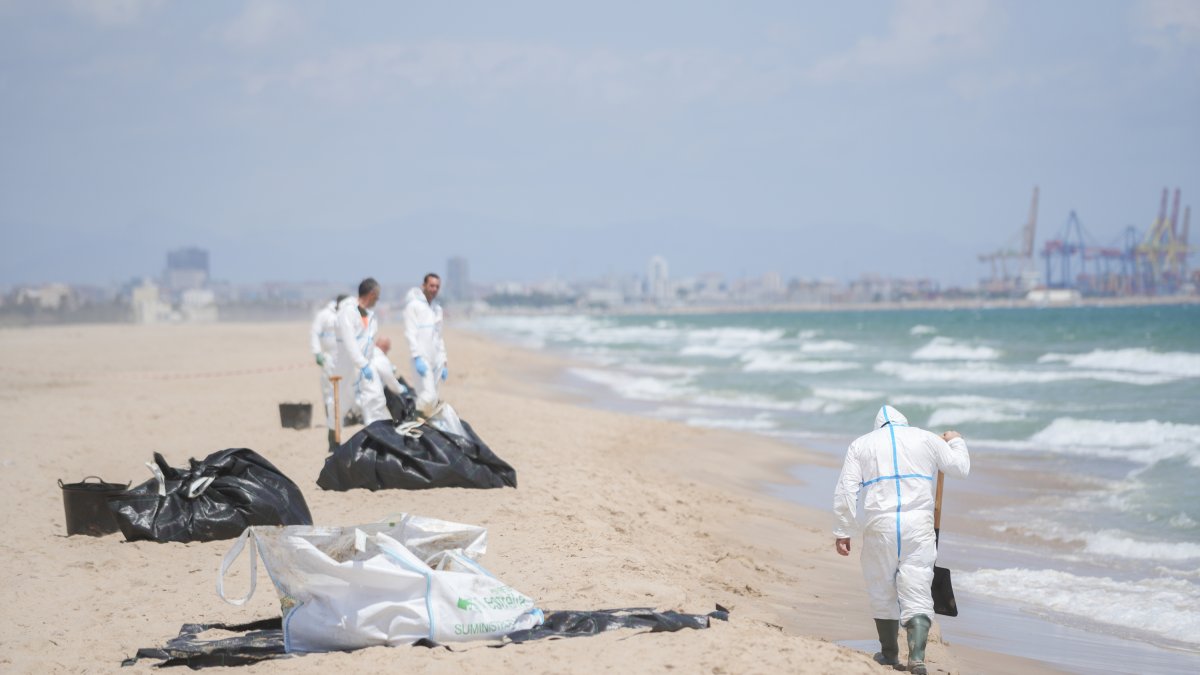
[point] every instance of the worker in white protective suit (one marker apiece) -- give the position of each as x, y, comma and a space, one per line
896, 468
385, 368
423, 329
357, 326
322, 339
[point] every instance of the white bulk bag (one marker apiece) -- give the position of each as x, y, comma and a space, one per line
389, 583
446, 419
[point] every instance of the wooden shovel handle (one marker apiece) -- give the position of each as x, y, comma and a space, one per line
937, 504
337, 416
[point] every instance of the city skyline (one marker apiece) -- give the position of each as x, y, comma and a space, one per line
301, 141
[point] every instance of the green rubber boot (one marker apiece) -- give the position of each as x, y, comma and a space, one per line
332, 443
888, 630
918, 633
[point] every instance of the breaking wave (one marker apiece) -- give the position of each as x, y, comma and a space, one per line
945, 349
1166, 607
1175, 364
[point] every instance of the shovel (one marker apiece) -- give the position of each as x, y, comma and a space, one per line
337, 427
943, 592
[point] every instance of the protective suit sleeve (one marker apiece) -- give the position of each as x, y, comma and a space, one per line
411, 319
845, 495
953, 458
387, 373
348, 336
314, 335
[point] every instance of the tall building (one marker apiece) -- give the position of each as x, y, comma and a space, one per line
657, 286
458, 281
187, 268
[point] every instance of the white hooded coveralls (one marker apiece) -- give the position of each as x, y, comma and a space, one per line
355, 345
386, 370
423, 330
897, 466
322, 338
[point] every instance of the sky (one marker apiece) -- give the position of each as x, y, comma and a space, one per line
323, 141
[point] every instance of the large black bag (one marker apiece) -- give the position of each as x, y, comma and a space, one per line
402, 407
216, 498
379, 457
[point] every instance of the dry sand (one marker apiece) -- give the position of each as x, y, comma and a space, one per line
611, 511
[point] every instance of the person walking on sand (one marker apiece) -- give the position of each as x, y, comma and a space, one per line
897, 466
322, 339
357, 326
423, 330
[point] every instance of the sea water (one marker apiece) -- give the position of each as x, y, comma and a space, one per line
1092, 413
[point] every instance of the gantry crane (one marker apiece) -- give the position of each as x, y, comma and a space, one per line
1162, 256
1025, 273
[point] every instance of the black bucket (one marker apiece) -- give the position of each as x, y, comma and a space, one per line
295, 415
86, 506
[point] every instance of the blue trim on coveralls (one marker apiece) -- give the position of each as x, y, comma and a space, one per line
896, 468
907, 475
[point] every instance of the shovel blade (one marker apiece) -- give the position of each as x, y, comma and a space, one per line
943, 593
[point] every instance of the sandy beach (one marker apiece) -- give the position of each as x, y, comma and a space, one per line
612, 510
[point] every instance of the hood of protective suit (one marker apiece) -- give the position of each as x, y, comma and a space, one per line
415, 294
889, 414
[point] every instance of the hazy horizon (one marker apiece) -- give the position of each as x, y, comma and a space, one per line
311, 141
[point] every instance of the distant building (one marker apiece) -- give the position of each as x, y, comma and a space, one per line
658, 287
458, 280
198, 305
50, 296
187, 268
148, 306
772, 284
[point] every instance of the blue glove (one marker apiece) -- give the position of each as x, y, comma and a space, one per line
421, 366
445, 372
366, 372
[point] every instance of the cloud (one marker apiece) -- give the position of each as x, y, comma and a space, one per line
921, 33
1167, 23
484, 70
263, 22
976, 85
114, 12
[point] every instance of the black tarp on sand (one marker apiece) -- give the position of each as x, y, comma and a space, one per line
262, 640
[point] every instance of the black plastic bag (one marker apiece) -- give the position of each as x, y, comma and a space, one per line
402, 407
379, 457
216, 498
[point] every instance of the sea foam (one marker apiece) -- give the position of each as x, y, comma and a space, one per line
944, 349
1069, 432
763, 361
976, 372
1144, 442
825, 346
638, 388
1175, 364
1169, 608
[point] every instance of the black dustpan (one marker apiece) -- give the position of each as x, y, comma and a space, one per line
943, 592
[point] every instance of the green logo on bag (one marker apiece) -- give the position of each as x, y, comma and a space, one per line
466, 604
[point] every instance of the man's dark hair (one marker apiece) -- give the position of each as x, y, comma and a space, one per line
366, 286
428, 276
